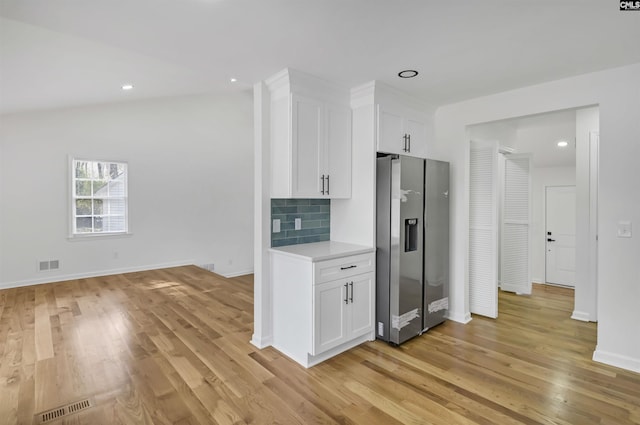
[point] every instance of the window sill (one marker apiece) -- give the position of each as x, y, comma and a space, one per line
94, 236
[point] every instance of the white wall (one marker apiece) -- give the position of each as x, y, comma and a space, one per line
190, 186
505, 133
617, 92
543, 177
262, 299
585, 302
354, 220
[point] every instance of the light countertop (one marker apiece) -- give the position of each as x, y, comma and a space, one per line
319, 251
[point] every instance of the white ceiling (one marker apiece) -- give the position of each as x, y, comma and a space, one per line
73, 52
540, 134
535, 134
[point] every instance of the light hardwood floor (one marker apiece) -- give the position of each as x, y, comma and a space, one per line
171, 347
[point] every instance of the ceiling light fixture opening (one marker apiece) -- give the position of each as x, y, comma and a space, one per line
408, 73
127, 87
563, 144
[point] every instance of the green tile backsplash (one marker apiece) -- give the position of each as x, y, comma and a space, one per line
315, 215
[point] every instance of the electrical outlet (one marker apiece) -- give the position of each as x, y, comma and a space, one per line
298, 223
276, 225
624, 229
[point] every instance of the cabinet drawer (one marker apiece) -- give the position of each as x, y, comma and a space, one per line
338, 268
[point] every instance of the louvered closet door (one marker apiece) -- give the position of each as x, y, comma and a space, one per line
483, 229
515, 271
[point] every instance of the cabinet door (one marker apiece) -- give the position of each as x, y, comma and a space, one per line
307, 135
417, 131
391, 131
329, 320
338, 151
361, 305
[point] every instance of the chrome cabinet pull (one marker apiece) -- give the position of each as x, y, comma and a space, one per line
409, 140
327, 184
346, 293
351, 298
322, 178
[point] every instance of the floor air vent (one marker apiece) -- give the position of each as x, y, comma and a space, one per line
59, 412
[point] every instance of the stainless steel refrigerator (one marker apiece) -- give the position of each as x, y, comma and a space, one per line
412, 238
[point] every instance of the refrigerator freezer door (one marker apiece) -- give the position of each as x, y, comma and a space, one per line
436, 246
399, 253
407, 204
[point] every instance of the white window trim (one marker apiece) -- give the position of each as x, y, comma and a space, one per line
72, 205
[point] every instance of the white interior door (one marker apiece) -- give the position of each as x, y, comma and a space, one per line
561, 235
515, 268
483, 228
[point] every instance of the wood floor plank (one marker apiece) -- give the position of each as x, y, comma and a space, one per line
172, 346
44, 340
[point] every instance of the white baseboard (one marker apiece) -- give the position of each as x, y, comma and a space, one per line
537, 280
261, 342
463, 318
236, 274
581, 315
617, 360
75, 276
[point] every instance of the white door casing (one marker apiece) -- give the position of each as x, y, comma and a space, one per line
594, 167
515, 247
483, 228
560, 235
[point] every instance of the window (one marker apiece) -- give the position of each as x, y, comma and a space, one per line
99, 204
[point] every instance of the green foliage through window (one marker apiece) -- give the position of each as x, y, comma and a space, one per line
99, 197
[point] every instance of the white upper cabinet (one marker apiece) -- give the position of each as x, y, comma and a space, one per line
401, 130
338, 151
403, 124
307, 148
310, 137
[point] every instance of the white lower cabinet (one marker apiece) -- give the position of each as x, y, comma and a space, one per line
343, 310
315, 318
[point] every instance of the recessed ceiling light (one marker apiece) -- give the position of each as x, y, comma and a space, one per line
407, 73
127, 86
562, 144
233, 80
